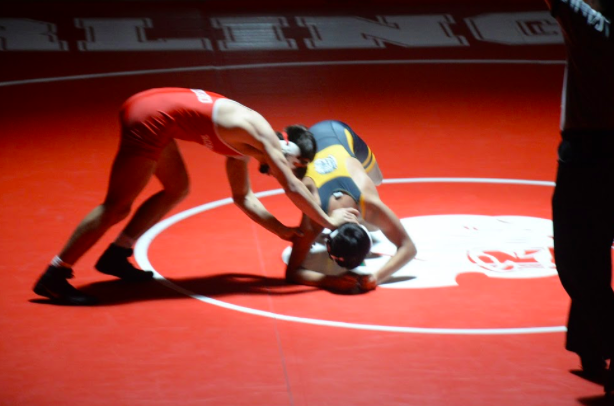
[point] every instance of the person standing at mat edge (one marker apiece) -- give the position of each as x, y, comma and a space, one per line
583, 200
150, 122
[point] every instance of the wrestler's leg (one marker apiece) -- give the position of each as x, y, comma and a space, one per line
129, 175
367, 158
375, 173
172, 174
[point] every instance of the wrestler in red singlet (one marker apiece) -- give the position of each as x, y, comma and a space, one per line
152, 118
150, 121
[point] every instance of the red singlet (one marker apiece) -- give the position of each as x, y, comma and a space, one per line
150, 119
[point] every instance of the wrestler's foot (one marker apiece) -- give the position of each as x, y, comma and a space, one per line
609, 380
114, 261
54, 285
593, 365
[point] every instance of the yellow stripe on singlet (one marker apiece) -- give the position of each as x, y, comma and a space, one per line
372, 163
368, 163
350, 139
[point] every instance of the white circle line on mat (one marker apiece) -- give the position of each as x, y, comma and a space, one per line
144, 242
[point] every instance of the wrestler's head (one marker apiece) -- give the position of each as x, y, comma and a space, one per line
349, 245
299, 148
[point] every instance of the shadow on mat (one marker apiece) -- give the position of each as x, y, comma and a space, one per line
114, 292
599, 400
598, 379
396, 279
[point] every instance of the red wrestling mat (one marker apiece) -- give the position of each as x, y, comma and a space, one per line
502, 301
222, 328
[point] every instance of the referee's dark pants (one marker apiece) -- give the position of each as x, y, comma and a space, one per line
583, 221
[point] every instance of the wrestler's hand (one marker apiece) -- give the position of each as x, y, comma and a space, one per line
342, 216
366, 282
346, 284
290, 233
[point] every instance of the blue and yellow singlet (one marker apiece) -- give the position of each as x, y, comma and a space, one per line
336, 141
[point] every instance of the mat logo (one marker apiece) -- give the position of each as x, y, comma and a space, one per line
450, 245
500, 261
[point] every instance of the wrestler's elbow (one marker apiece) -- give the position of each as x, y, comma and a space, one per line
412, 250
291, 186
241, 200
407, 250
291, 277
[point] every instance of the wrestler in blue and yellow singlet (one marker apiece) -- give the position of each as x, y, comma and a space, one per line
336, 141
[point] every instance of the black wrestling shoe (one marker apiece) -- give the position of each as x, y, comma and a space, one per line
114, 261
593, 366
54, 285
608, 387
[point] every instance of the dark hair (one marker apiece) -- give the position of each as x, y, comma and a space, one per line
300, 172
349, 245
303, 138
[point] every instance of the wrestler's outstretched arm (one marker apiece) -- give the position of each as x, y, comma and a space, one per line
246, 200
301, 246
296, 273
380, 215
242, 125
299, 194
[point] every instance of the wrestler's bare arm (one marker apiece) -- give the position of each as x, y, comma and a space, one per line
380, 215
294, 188
246, 200
251, 133
301, 245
